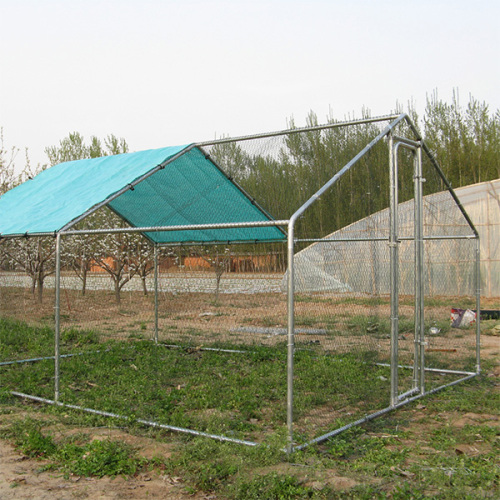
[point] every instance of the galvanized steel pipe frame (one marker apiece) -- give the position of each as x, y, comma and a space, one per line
387, 132
57, 319
291, 131
57, 355
384, 411
149, 423
290, 285
419, 374
156, 292
393, 268
478, 306
419, 145
383, 238
419, 335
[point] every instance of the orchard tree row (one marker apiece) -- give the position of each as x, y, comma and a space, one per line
280, 176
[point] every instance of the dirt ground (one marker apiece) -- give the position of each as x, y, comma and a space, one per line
23, 478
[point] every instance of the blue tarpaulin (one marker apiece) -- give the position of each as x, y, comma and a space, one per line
190, 189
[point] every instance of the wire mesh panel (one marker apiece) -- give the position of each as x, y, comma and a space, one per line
342, 305
342, 339
207, 330
223, 296
27, 315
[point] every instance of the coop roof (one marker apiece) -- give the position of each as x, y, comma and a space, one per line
172, 186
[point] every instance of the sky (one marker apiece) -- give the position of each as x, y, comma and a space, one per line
173, 72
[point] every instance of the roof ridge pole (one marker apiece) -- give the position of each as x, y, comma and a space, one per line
289, 131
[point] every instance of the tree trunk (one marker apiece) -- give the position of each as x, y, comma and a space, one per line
144, 287
84, 277
33, 285
40, 287
117, 292
218, 276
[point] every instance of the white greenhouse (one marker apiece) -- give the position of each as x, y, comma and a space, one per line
325, 266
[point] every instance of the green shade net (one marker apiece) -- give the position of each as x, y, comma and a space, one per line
192, 190
189, 190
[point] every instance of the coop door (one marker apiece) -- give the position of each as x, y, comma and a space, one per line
406, 249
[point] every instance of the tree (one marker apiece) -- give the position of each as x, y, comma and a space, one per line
114, 255
143, 260
82, 251
466, 141
74, 147
220, 262
77, 254
9, 178
283, 172
35, 256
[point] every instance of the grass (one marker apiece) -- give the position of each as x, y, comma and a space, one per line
235, 394
425, 450
411, 455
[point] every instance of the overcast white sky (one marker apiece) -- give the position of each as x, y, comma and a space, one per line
169, 72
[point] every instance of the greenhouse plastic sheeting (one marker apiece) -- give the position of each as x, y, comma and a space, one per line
189, 190
362, 266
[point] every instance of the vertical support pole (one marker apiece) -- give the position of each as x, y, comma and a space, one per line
478, 305
394, 264
156, 290
419, 222
290, 336
417, 272
57, 314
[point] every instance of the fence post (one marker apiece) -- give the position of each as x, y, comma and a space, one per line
419, 360
57, 311
290, 336
156, 289
394, 263
478, 305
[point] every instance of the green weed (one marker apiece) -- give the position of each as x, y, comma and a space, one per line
99, 459
77, 455
242, 396
28, 437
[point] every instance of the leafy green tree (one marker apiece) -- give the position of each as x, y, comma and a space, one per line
281, 176
74, 147
466, 141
